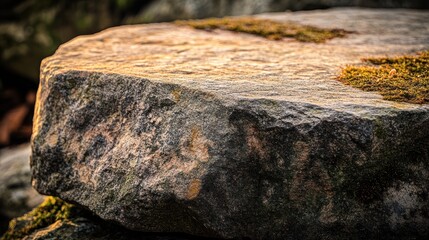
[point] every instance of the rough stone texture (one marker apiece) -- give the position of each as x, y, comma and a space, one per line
166, 128
16, 194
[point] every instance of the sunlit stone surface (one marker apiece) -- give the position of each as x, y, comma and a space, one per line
166, 128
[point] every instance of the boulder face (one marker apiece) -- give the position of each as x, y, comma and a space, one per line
164, 128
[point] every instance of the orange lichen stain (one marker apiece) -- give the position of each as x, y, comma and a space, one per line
198, 145
176, 94
178, 165
194, 189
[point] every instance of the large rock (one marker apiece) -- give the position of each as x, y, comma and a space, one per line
165, 128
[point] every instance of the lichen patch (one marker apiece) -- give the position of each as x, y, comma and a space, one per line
176, 94
51, 210
267, 28
194, 189
402, 79
197, 146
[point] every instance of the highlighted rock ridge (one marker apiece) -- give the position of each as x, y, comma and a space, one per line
167, 128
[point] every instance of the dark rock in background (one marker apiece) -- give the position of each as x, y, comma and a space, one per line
17, 98
16, 194
31, 30
56, 219
168, 10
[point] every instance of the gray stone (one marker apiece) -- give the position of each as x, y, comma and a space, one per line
170, 129
16, 194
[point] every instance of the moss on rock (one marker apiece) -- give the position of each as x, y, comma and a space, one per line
267, 28
403, 79
47, 213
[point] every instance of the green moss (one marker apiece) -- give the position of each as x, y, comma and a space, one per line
266, 28
50, 211
403, 79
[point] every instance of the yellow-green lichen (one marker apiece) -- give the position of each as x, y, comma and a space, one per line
267, 28
402, 79
47, 213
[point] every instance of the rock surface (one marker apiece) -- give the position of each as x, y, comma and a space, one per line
166, 128
16, 194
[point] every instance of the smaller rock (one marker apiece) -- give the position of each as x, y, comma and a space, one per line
16, 194
57, 219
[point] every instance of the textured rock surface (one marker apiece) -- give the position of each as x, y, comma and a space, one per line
166, 128
16, 194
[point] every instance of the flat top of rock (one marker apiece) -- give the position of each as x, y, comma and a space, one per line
242, 66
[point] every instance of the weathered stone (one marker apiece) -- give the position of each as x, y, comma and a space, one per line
16, 194
166, 128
